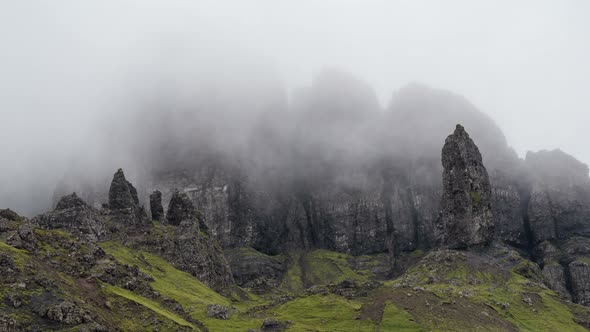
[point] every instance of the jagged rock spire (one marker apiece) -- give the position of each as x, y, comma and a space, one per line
122, 194
123, 201
466, 216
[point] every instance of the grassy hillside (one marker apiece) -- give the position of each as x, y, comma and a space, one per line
321, 291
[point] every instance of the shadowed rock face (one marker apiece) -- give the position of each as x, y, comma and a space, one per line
180, 209
466, 216
156, 206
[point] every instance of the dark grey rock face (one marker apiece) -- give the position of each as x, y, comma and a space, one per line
75, 216
156, 206
466, 217
124, 203
580, 281
241, 213
180, 209
565, 267
507, 205
558, 214
554, 277
559, 205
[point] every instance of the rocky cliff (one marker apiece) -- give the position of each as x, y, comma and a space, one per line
183, 243
335, 173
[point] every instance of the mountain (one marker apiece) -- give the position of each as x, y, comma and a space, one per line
330, 216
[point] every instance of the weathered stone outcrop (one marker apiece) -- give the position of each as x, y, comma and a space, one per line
9, 270
255, 270
124, 202
17, 231
156, 206
180, 209
189, 249
466, 214
66, 312
193, 251
75, 216
10, 215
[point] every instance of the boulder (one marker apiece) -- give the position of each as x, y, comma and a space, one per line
274, 325
24, 237
466, 216
217, 311
67, 312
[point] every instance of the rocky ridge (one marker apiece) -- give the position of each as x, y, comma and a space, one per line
280, 243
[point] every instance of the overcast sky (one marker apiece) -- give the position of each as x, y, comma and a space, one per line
63, 63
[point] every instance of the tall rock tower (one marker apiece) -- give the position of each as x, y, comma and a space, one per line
466, 214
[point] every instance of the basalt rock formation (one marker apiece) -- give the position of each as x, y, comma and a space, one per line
341, 191
180, 209
74, 215
56, 271
124, 202
466, 216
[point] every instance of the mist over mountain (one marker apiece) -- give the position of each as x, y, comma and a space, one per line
294, 165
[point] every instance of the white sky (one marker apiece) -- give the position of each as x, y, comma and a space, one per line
525, 63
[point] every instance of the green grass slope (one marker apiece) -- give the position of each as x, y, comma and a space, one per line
444, 291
